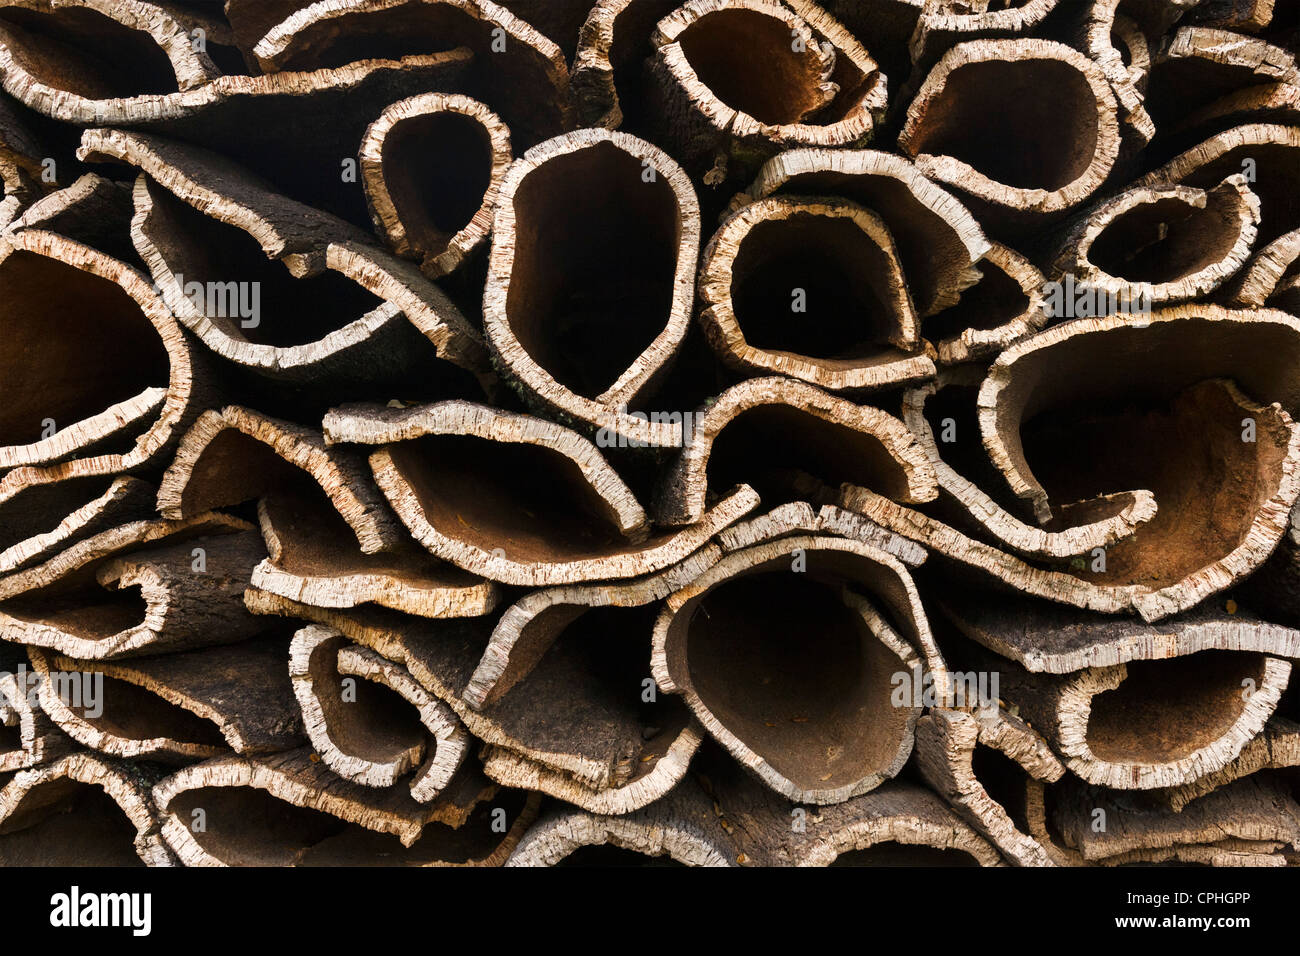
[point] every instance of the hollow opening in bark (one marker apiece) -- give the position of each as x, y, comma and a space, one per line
1045, 107
747, 59
82, 608
529, 501
905, 854
1003, 780
1168, 239
995, 300
56, 367
790, 670
1189, 451
11, 737
1275, 183
609, 855
131, 712
437, 168
66, 823
595, 260
364, 719
815, 286
41, 507
1166, 710
787, 455
391, 34
228, 278
86, 53
250, 827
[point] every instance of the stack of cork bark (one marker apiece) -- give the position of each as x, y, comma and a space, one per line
731, 432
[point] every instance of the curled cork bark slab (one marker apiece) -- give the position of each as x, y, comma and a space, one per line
828, 729
947, 742
201, 219
943, 24
512, 64
619, 220
1047, 638
52, 56
1158, 244
768, 432
1170, 564
291, 810
432, 166
1276, 748
606, 82
361, 729
314, 558
1248, 16
812, 289
177, 707
976, 507
517, 499
1145, 725
41, 520
898, 824
80, 810
939, 242
236, 455
560, 21
1268, 279
21, 172
1119, 46
1266, 103
736, 81
251, 19
66, 403
143, 587
680, 829
585, 743
93, 211
1267, 151
1199, 64
28, 738
985, 92
1256, 809
1003, 307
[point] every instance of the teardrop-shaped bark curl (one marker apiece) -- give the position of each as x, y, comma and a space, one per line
1268, 153
314, 558
137, 589
945, 23
63, 400
1003, 307
736, 81
291, 810
947, 745
596, 234
1200, 397
237, 455
938, 240
817, 724
432, 166
1268, 279
1114, 517
1049, 638
812, 289
333, 308
175, 708
52, 57
986, 93
770, 432
514, 67
81, 810
517, 499
41, 520
360, 728
1157, 244
1144, 725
